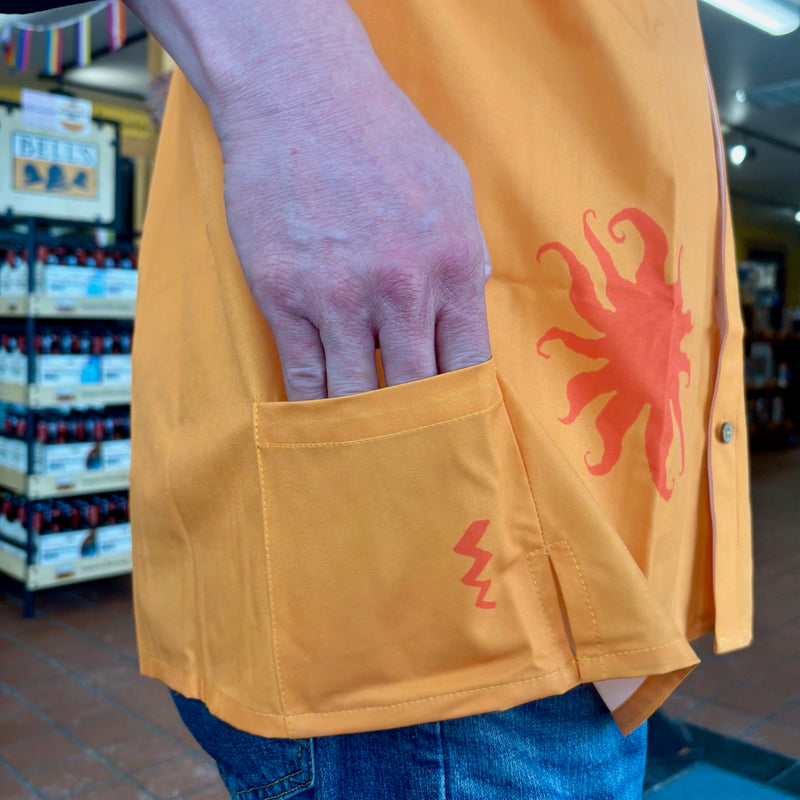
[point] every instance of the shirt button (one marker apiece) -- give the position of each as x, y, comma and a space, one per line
726, 432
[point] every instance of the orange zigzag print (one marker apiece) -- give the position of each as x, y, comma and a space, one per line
468, 546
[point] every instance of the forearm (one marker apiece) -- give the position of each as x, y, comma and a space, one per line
262, 56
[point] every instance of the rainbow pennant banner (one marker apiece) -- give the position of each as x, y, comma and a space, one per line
23, 54
117, 28
83, 41
54, 51
10, 52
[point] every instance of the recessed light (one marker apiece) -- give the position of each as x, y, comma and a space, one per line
777, 17
741, 95
737, 154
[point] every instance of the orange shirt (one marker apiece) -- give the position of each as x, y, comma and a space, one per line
574, 510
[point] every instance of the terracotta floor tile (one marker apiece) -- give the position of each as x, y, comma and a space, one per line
139, 692
113, 676
774, 615
23, 726
678, 705
33, 631
82, 616
713, 676
176, 778
145, 751
10, 706
118, 628
790, 717
161, 713
116, 790
777, 738
178, 730
30, 753
98, 730
59, 690
25, 673
722, 719
59, 641
759, 697
212, 793
71, 712
12, 789
12, 653
91, 658
71, 775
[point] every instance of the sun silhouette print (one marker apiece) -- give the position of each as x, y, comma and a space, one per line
640, 342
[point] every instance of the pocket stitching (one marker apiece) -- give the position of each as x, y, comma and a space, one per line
529, 558
280, 780
587, 598
404, 432
270, 586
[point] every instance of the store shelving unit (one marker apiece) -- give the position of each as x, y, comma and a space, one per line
763, 396
20, 559
40, 307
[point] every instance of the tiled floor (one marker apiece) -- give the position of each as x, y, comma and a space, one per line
77, 721
754, 694
76, 718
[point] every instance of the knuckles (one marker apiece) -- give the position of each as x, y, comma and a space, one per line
384, 281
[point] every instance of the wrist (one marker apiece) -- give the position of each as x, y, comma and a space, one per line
255, 59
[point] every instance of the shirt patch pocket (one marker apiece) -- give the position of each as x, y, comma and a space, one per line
396, 524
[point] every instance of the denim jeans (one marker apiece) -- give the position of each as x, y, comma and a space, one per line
565, 747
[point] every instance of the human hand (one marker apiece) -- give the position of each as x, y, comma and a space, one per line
352, 218
355, 227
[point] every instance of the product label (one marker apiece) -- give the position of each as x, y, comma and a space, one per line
121, 283
116, 369
53, 548
14, 278
14, 454
114, 539
57, 459
16, 368
57, 370
60, 281
116, 454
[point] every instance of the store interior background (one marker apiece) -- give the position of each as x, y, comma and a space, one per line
71, 703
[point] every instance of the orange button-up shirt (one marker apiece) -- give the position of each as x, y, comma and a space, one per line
575, 510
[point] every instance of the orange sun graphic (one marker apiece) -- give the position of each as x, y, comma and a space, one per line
640, 342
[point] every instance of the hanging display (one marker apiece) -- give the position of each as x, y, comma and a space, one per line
17, 32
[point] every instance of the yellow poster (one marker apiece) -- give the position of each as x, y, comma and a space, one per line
73, 180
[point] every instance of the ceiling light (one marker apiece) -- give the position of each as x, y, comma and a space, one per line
741, 95
737, 154
772, 16
797, 216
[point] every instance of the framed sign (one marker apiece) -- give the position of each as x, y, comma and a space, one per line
57, 174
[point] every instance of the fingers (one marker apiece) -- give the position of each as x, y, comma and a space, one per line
462, 334
422, 326
407, 352
339, 359
302, 357
349, 360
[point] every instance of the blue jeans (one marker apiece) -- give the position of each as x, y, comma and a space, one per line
565, 747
